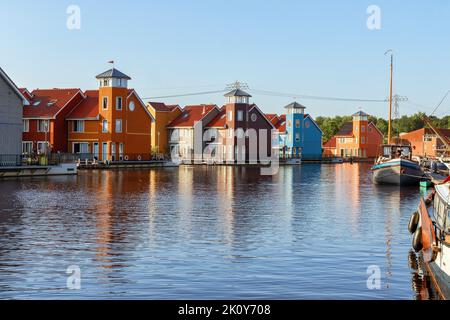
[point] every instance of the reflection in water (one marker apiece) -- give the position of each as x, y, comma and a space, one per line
309, 232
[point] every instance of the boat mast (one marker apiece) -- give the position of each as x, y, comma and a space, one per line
390, 96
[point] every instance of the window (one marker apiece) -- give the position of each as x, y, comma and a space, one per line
131, 106
105, 82
297, 123
118, 103
254, 117
78, 126
297, 137
363, 140
230, 115
370, 129
42, 147
43, 125
105, 103
26, 125
105, 126
27, 147
120, 151
81, 147
240, 115
118, 125
363, 129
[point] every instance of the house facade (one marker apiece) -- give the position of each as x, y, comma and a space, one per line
111, 123
163, 115
12, 102
185, 132
359, 139
44, 119
425, 142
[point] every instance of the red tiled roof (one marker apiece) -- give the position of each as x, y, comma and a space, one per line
47, 103
331, 144
88, 108
219, 121
190, 115
173, 107
160, 107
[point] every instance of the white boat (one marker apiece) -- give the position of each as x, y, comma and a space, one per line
430, 227
396, 167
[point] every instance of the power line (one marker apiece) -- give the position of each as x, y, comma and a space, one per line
304, 96
185, 95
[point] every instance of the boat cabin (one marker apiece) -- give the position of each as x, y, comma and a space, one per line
441, 208
397, 152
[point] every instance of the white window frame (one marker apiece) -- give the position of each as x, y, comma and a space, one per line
105, 126
119, 107
38, 144
26, 125
230, 115
80, 126
118, 121
240, 115
25, 150
47, 126
103, 103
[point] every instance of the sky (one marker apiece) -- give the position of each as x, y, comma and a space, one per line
319, 48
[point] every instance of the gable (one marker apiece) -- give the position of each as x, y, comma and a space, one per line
308, 117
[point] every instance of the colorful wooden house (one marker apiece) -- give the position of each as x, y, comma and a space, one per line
359, 139
111, 123
44, 119
163, 115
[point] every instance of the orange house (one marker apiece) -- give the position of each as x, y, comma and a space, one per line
426, 143
111, 123
359, 138
163, 115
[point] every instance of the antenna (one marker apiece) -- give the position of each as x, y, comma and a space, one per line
238, 86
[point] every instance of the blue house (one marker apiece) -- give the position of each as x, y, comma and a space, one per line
303, 137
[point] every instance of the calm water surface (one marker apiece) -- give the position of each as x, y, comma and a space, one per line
309, 232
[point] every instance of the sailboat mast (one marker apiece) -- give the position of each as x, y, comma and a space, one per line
390, 100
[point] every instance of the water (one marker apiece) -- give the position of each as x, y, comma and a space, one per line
310, 232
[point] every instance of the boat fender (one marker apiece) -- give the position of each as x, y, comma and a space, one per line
413, 222
417, 240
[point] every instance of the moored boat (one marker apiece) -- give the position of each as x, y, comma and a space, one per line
396, 167
430, 227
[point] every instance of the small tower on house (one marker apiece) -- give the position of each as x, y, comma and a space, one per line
237, 109
113, 93
360, 131
295, 114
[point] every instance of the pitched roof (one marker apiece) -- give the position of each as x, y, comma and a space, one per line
237, 93
295, 105
113, 73
162, 107
88, 108
48, 103
346, 130
331, 144
219, 121
190, 115
13, 86
360, 114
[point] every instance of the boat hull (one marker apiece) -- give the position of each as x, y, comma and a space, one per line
397, 172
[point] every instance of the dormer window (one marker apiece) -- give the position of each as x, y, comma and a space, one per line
105, 82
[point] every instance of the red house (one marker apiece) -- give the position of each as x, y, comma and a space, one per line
44, 119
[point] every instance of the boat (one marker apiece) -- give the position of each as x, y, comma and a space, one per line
430, 227
396, 167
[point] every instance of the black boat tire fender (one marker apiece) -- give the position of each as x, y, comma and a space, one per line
413, 222
417, 240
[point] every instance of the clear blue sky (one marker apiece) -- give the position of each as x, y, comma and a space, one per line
170, 47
